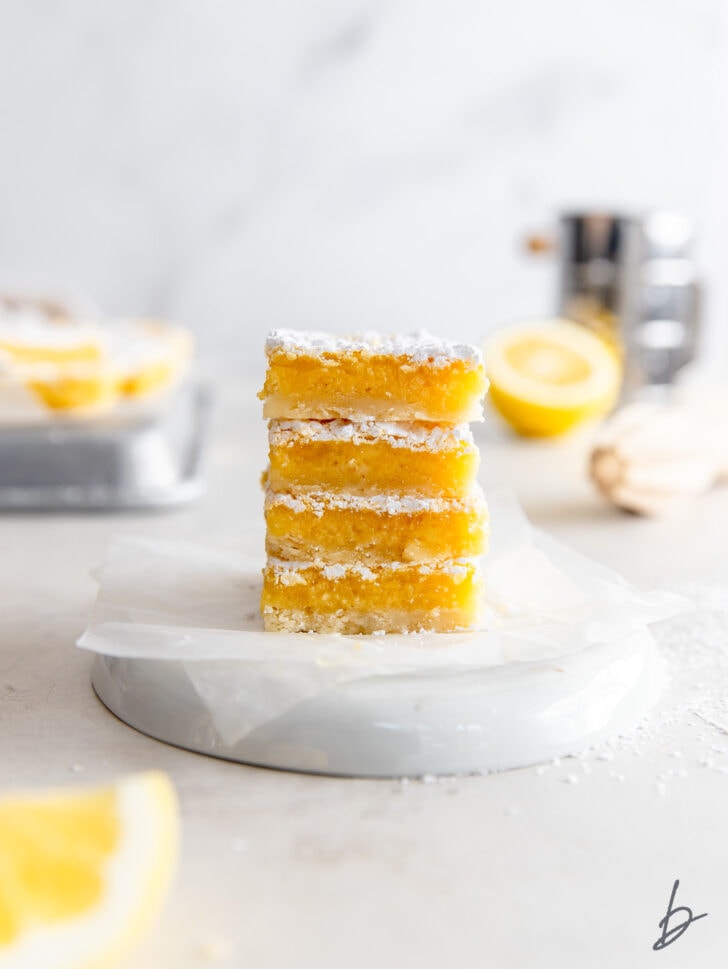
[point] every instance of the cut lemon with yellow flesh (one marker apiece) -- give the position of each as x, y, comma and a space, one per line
83, 872
548, 377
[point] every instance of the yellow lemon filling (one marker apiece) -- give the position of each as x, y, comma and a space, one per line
74, 389
331, 529
308, 455
319, 376
381, 598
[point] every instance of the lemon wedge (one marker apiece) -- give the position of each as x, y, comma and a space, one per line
549, 376
83, 872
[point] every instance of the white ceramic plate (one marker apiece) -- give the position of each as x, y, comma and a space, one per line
432, 722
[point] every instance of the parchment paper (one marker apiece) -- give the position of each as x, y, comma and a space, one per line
182, 602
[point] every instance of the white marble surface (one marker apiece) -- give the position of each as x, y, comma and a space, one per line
570, 866
347, 163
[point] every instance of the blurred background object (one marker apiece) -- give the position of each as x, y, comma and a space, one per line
633, 280
351, 164
597, 255
663, 329
548, 377
654, 458
96, 413
51, 304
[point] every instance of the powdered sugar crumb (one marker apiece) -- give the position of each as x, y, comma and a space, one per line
288, 572
418, 347
28, 328
317, 502
414, 436
694, 646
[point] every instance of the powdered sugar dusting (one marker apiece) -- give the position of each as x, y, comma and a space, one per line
419, 347
694, 646
319, 502
35, 331
458, 568
425, 437
134, 344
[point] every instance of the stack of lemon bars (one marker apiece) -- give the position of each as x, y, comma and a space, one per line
375, 522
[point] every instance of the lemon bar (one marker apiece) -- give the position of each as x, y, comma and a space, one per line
355, 598
372, 457
28, 338
148, 355
71, 388
333, 528
318, 376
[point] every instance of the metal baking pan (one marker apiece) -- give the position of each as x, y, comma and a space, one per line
151, 461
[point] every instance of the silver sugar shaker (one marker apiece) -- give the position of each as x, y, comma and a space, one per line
662, 326
633, 279
597, 265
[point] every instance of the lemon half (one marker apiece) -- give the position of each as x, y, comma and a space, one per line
83, 872
548, 377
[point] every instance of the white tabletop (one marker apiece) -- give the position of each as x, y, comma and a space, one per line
571, 864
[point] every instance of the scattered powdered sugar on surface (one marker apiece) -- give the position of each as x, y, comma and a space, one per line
694, 646
319, 502
419, 347
415, 436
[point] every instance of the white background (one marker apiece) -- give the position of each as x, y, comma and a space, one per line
346, 164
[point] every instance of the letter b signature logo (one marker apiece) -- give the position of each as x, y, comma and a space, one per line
672, 933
